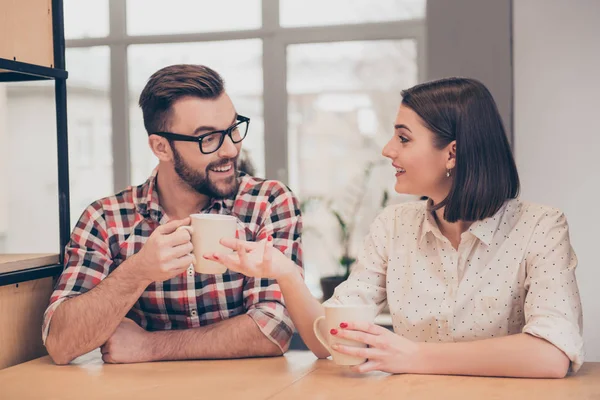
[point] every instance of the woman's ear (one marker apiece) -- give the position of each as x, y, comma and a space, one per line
451, 151
160, 147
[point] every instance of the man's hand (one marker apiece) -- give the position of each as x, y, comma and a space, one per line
128, 344
166, 254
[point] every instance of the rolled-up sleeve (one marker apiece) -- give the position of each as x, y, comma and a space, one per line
552, 304
87, 262
264, 304
263, 299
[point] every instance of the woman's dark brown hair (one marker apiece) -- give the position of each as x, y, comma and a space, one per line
485, 175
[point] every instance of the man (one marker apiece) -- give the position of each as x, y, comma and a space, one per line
128, 286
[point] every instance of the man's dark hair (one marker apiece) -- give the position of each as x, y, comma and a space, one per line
171, 83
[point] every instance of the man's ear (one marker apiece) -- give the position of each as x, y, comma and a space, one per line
160, 147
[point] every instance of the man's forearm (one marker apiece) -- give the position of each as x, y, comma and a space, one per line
520, 355
86, 321
237, 337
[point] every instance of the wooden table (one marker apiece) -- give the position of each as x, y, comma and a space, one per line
298, 375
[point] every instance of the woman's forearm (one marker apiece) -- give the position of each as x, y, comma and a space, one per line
304, 309
520, 355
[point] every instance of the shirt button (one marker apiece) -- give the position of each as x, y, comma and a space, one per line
191, 271
193, 313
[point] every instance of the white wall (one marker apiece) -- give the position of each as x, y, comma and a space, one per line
557, 134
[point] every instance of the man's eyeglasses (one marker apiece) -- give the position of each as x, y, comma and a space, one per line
212, 141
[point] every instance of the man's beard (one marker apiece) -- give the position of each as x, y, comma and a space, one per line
201, 183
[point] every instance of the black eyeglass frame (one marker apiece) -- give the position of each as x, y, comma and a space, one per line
185, 138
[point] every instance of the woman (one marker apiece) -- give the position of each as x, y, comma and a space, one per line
477, 281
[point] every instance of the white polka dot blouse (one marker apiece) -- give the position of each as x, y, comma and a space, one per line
513, 272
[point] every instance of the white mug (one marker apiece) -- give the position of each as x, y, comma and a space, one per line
336, 314
206, 231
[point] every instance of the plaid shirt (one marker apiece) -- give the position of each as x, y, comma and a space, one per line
114, 228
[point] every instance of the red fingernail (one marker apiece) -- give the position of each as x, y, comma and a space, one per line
333, 331
270, 238
343, 325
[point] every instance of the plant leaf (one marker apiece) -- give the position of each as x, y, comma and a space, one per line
385, 198
340, 220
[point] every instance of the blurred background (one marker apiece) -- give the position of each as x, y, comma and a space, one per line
321, 81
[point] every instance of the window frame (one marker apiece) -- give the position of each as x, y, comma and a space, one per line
275, 40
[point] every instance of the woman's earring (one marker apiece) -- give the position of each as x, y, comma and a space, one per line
448, 173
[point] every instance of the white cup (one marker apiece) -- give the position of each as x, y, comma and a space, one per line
336, 314
206, 231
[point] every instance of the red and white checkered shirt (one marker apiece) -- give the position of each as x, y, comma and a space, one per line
114, 228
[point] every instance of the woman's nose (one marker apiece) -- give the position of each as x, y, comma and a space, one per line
388, 151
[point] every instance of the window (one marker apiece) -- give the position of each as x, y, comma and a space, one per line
323, 77
89, 119
4, 175
85, 18
29, 146
337, 12
342, 101
153, 17
31, 114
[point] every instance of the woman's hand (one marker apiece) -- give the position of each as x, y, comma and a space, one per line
387, 351
254, 259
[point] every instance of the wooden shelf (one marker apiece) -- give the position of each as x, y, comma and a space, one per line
11, 71
19, 262
26, 31
16, 268
32, 47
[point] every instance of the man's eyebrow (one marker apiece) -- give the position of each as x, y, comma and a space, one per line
206, 128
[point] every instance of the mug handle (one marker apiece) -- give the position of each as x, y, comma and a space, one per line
187, 228
191, 232
317, 330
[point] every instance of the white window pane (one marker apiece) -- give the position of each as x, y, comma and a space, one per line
90, 131
240, 65
4, 175
28, 143
85, 18
29, 194
89, 67
153, 17
336, 12
343, 99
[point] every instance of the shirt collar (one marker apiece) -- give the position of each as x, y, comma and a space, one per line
146, 198
484, 230
148, 203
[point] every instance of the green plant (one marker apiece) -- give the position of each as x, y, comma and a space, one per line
347, 213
